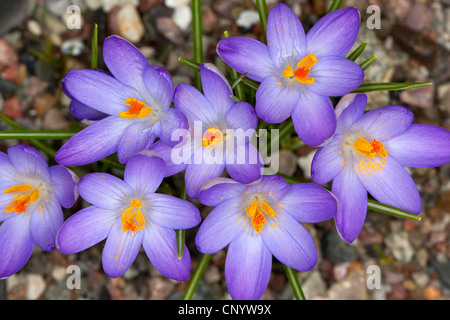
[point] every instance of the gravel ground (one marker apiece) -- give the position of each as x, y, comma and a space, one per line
412, 258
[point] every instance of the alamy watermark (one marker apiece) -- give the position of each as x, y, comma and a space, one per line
373, 277
73, 17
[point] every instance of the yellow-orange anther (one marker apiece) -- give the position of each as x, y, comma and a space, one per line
302, 71
369, 149
132, 218
255, 211
138, 109
26, 195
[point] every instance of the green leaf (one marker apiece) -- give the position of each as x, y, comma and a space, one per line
94, 48
336, 4
197, 34
367, 63
37, 134
389, 86
357, 52
263, 14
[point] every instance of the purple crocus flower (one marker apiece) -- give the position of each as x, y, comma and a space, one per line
220, 130
299, 73
129, 214
368, 152
31, 197
132, 106
259, 220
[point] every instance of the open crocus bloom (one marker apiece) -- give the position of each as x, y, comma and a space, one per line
368, 152
132, 106
220, 132
31, 196
129, 214
259, 220
299, 73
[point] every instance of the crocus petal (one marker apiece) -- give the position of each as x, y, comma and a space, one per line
242, 116
197, 174
45, 223
99, 91
235, 51
83, 112
352, 208
125, 61
193, 104
289, 242
349, 109
103, 190
27, 160
245, 165
215, 191
171, 212
216, 89
165, 152
384, 123
422, 146
314, 118
308, 202
160, 245
84, 229
247, 267
222, 225
388, 182
275, 101
121, 249
64, 181
144, 173
159, 86
328, 161
335, 76
16, 245
136, 138
285, 36
273, 186
93, 143
171, 121
335, 33
8, 171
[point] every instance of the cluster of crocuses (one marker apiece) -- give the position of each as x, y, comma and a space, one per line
258, 217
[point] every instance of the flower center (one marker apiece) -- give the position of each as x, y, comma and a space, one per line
255, 211
369, 149
26, 194
132, 218
212, 137
138, 109
303, 68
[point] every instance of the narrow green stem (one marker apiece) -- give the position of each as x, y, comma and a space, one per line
47, 149
291, 274
239, 87
37, 134
197, 34
336, 4
389, 86
263, 14
181, 233
196, 276
94, 48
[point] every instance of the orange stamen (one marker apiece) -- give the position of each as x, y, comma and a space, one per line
138, 109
